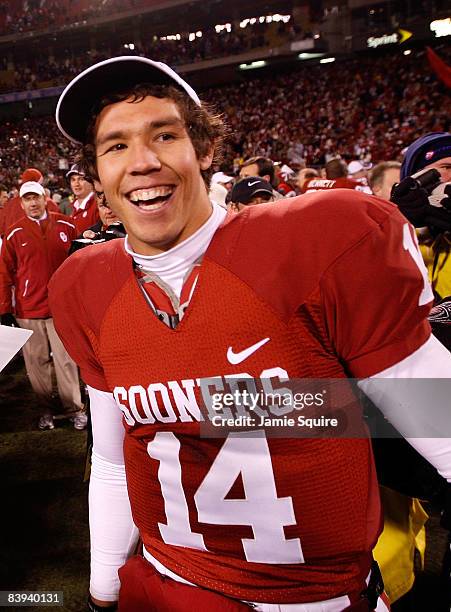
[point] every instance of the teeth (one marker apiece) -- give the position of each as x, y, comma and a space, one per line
142, 195
151, 206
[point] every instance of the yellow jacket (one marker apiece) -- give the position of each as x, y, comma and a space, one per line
437, 257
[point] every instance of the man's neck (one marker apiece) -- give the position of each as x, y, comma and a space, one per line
41, 218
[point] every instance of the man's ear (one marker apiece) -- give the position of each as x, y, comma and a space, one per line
206, 160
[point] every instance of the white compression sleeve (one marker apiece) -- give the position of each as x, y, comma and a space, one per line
113, 533
409, 410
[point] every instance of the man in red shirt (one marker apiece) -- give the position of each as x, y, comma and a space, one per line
336, 178
85, 211
12, 210
195, 303
34, 247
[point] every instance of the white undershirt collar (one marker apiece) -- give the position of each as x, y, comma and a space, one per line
44, 216
173, 265
82, 205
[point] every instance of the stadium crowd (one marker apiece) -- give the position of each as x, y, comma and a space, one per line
299, 117
52, 69
26, 15
34, 15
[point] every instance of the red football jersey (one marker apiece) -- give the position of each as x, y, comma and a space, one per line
84, 218
311, 288
318, 184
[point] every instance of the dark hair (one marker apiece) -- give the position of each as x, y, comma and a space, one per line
205, 128
265, 166
336, 168
377, 173
3, 188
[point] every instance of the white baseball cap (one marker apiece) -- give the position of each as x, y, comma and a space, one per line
357, 166
220, 177
73, 111
31, 187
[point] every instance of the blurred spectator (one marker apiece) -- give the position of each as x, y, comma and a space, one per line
250, 191
382, 178
404, 101
85, 211
259, 166
358, 171
304, 175
427, 203
66, 203
220, 186
336, 178
107, 228
286, 181
33, 249
13, 209
264, 168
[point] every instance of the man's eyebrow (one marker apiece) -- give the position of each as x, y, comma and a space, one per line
153, 125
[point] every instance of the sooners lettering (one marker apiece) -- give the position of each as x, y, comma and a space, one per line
177, 401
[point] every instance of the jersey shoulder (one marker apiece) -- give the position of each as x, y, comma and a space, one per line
92, 275
323, 223
283, 250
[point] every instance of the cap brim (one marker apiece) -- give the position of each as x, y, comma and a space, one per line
258, 192
117, 74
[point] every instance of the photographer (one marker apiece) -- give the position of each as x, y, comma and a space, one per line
424, 197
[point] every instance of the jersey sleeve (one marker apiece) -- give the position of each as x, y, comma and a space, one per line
72, 324
7, 268
376, 298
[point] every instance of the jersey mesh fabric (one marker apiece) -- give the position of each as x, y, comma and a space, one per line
263, 276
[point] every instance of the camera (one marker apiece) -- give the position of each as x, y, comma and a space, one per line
115, 230
424, 200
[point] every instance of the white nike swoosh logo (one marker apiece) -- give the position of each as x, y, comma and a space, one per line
236, 358
253, 183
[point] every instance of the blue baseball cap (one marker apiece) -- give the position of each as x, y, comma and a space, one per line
425, 151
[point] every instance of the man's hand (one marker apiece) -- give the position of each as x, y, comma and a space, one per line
441, 196
8, 319
423, 200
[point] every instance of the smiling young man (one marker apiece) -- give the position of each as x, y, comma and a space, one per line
192, 301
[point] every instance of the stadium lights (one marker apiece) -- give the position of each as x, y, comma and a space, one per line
225, 26
171, 37
441, 27
193, 35
307, 56
327, 60
257, 64
268, 18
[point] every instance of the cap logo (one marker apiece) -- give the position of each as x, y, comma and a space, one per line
253, 183
429, 155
